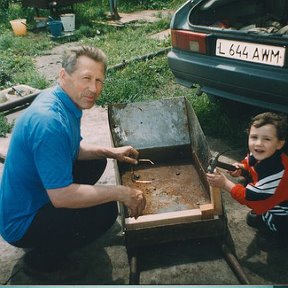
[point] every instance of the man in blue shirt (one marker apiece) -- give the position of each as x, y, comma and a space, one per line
48, 200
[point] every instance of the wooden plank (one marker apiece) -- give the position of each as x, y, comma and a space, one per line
216, 200
207, 211
154, 220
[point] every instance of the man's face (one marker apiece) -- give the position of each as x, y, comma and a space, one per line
85, 84
263, 141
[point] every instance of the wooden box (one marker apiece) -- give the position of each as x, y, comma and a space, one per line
175, 155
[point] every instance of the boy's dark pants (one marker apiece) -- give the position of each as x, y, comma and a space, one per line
58, 231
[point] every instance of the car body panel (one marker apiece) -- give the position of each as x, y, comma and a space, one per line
252, 83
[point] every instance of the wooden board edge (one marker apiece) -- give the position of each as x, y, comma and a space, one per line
207, 211
216, 199
161, 219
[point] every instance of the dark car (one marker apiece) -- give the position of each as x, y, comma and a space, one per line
234, 49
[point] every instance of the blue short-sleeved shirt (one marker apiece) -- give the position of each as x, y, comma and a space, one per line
44, 144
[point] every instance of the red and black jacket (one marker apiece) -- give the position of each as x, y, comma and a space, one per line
269, 186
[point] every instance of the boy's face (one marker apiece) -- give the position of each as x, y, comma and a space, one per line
263, 141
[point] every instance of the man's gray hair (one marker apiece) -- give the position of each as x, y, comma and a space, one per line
70, 56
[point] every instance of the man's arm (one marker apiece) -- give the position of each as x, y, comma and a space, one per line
81, 196
123, 154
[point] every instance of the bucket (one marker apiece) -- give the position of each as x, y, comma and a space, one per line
55, 28
19, 27
68, 21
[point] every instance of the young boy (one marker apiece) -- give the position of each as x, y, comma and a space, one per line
267, 194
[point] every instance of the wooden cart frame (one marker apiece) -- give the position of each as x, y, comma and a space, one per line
158, 129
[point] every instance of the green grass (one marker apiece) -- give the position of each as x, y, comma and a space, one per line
17, 53
138, 81
16, 60
5, 126
128, 43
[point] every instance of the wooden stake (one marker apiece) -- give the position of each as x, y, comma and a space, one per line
216, 200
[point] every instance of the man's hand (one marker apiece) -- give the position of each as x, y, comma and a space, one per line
126, 154
135, 201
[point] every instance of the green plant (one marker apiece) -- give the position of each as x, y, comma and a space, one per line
19, 70
138, 81
131, 5
5, 126
127, 43
16, 63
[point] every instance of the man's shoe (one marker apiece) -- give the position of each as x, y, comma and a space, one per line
42, 261
66, 270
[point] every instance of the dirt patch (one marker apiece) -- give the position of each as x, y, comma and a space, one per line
146, 16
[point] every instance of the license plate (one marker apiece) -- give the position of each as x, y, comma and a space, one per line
257, 53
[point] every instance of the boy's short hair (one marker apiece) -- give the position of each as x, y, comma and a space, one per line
279, 121
70, 56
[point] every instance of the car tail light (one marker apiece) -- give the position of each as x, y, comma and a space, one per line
189, 41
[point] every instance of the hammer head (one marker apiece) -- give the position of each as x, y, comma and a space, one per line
213, 163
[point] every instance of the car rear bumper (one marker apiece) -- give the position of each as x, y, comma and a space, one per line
244, 82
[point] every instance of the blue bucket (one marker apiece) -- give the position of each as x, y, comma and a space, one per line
55, 28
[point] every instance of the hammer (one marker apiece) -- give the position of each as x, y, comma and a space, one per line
214, 162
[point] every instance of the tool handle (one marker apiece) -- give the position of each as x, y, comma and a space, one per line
226, 166
230, 167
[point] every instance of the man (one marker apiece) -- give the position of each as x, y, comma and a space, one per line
48, 200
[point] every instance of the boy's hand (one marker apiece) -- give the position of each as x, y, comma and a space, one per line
216, 179
219, 180
238, 171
